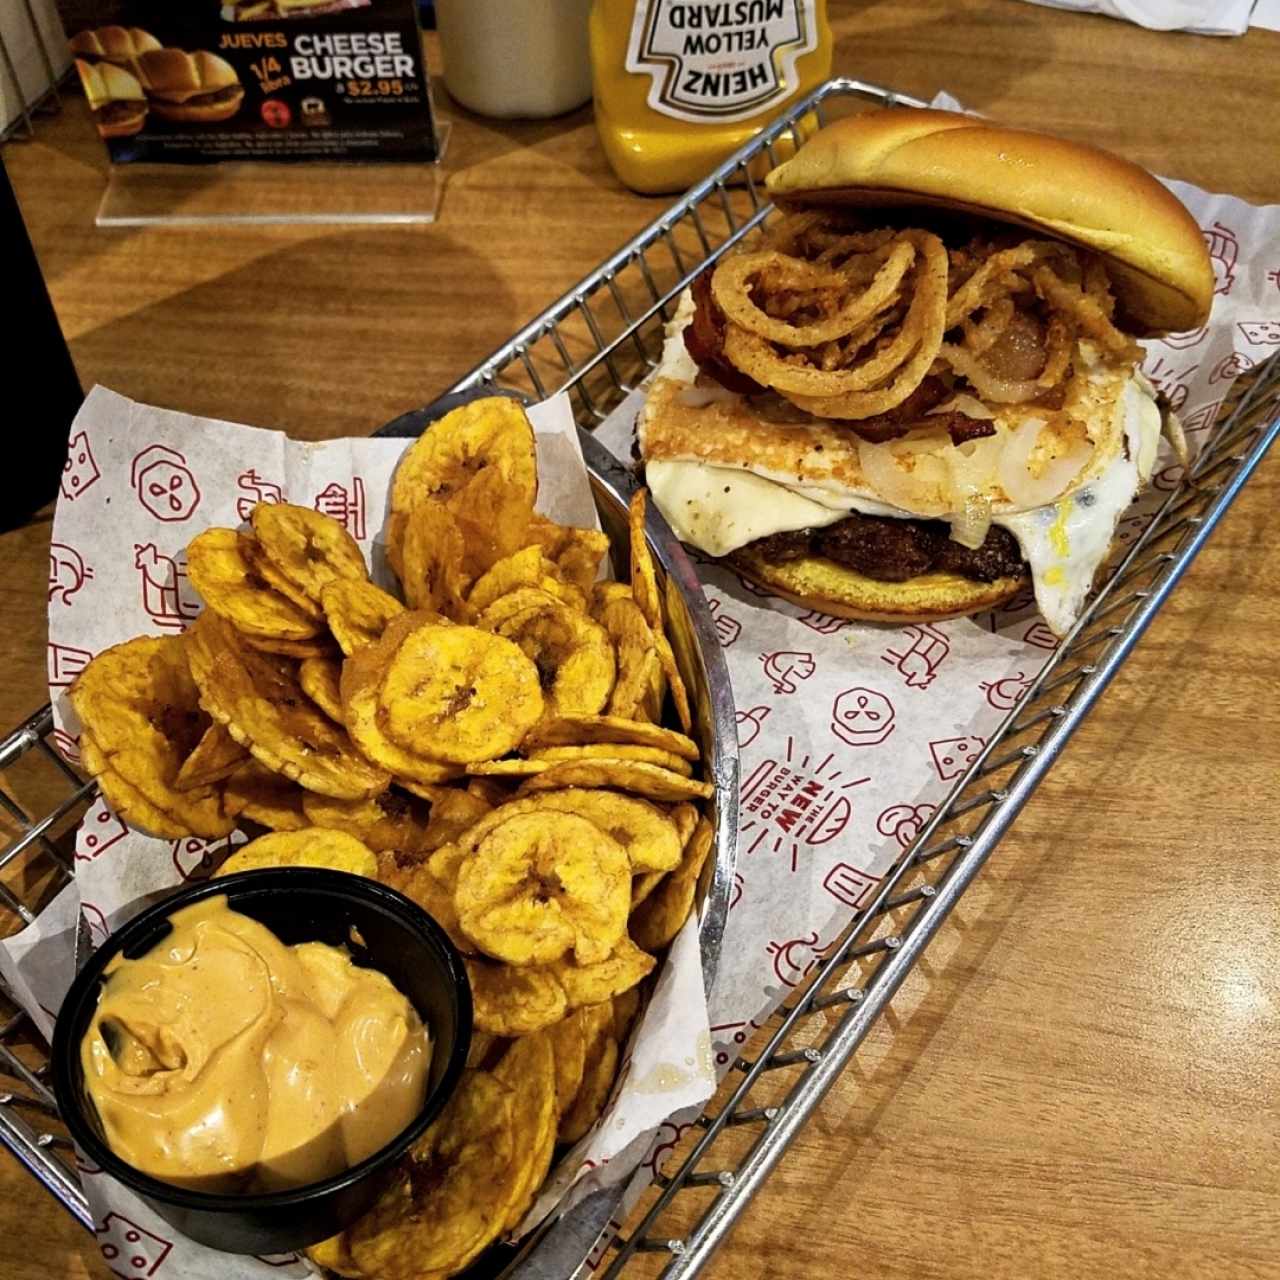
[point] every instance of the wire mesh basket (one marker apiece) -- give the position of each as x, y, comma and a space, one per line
599, 342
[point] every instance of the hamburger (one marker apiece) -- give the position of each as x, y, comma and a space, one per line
118, 45
115, 98
190, 88
917, 392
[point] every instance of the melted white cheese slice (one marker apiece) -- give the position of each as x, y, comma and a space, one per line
719, 509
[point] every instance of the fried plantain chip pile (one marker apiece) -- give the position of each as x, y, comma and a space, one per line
491, 744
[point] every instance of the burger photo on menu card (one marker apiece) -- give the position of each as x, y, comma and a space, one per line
917, 391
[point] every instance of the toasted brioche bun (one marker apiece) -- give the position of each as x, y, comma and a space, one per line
815, 583
173, 75
104, 82
113, 44
1070, 191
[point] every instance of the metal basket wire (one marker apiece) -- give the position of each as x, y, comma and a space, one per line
598, 342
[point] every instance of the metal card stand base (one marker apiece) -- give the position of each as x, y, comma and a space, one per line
257, 194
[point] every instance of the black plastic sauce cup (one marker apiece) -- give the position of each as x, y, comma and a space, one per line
382, 930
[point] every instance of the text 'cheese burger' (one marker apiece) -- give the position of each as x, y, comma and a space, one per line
919, 388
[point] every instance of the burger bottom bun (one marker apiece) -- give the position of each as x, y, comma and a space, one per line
126, 127
815, 583
197, 112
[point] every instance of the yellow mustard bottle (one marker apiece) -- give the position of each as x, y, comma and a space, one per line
680, 84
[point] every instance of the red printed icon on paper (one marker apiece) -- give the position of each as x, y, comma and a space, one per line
65, 663
1224, 252
919, 661
823, 623
849, 885
735, 894
784, 668
751, 588
346, 506
165, 592
67, 572
1168, 478
1183, 341
793, 803
1170, 381
1262, 333
728, 629
277, 1259
276, 114
750, 723
254, 489
795, 960
1004, 693
741, 1033
1202, 418
67, 746
665, 1141
84, 1164
164, 484
98, 832
197, 859
952, 756
1230, 367
80, 470
903, 822
862, 717
1039, 635
131, 1251
96, 923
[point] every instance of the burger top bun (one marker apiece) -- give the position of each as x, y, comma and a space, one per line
175, 75
114, 43
1160, 268
105, 82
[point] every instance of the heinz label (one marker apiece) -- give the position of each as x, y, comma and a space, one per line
720, 59
277, 80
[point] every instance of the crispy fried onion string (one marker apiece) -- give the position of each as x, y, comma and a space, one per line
847, 323
906, 357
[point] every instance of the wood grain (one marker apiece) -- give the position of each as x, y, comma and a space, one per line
1080, 1080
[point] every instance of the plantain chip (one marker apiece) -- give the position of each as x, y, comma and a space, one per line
615, 751
450, 1198
528, 567
265, 568
657, 920
493, 432
389, 821
600, 1065
309, 847
493, 513
333, 1255
528, 1069
623, 969
541, 884
644, 577
126, 801
646, 834
259, 700
415, 880
220, 569
626, 1004
572, 730
453, 812
575, 552
361, 674
319, 647
643, 885
492, 792
267, 798
511, 768
641, 779
357, 613
569, 1043
684, 817
319, 678
141, 709
458, 694
514, 1001
675, 682
637, 654
308, 547
484, 1047
213, 759
431, 560
572, 654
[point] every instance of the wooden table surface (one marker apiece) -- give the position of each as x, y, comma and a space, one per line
1082, 1079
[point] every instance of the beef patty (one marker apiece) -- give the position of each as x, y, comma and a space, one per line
892, 550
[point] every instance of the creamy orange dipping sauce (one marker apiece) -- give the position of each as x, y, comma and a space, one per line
225, 1061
